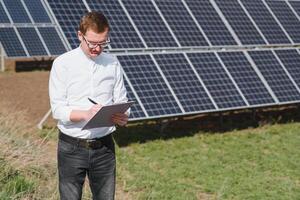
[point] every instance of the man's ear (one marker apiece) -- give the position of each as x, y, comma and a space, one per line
79, 35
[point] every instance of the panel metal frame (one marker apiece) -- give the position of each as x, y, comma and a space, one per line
166, 23
232, 80
253, 22
201, 81
278, 22
58, 27
228, 26
204, 34
136, 95
282, 66
133, 24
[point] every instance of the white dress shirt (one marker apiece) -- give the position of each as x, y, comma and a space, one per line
73, 78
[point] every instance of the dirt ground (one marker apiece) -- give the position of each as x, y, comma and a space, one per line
26, 92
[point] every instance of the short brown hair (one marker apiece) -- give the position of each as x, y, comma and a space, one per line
94, 20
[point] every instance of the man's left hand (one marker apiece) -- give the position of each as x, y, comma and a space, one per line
120, 119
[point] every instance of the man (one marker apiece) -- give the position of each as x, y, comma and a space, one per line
82, 73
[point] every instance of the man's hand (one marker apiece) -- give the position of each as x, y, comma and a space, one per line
92, 111
120, 119
84, 115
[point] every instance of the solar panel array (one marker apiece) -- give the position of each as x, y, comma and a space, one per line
28, 29
179, 56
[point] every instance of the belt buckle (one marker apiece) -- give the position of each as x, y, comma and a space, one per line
89, 143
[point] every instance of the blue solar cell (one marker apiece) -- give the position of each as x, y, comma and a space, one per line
37, 11
291, 61
149, 85
122, 33
210, 22
296, 6
246, 78
181, 23
32, 42
136, 111
3, 16
265, 21
52, 40
184, 82
149, 23
17, 11
11, 43
287, 18
239, 21
276, 77
68, 15
216, 80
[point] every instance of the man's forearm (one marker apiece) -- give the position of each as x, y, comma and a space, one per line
78, 115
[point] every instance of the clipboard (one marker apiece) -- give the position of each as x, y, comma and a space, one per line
103, 117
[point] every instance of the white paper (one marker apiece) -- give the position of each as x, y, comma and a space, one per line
103, 117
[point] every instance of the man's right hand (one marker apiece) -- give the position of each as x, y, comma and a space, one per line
84, 115
92, 111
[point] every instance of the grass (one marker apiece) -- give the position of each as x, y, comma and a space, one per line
13, 185
179, 163
258, 163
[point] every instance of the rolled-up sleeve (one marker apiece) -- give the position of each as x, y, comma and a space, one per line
58, 93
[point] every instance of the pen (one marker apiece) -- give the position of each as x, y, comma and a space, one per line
94, 102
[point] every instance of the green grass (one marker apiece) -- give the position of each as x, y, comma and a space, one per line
178, 163
13, 185
260, 163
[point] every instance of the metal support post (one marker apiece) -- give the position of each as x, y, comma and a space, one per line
2, 67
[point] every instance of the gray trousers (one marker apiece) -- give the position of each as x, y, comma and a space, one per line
75, 163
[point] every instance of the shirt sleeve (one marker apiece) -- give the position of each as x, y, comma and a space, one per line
120, 93
58, 93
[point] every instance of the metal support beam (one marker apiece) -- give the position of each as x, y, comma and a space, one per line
2, 54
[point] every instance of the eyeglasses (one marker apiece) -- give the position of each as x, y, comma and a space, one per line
100, 44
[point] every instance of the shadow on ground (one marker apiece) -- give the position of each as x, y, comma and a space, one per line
142, 132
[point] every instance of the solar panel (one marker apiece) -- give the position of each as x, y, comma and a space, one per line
37, 11
147, 35
276, 77
11, 43
291, 60
265, 21
17, 11
149, 85
32, 41
246, 78
210, 22
3, 15
240, 22
52, 40
287, 18
136, 111
181, 23
68, 15
295, 5
150, 24
122, 33
184, 82
216, 80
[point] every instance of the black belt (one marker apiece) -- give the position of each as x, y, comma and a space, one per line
94, 143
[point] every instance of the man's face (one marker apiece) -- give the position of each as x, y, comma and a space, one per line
93, 43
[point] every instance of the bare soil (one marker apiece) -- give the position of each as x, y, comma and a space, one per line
26, 92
